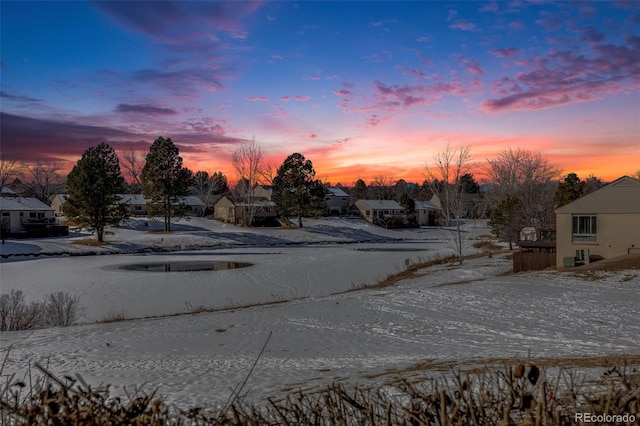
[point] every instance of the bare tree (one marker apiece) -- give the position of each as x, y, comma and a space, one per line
10, 169
523, 192
450, 165
47, 179
133, 163
382, 187
248, 162
206, 186
62, 309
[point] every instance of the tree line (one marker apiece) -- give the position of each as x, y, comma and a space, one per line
524, 189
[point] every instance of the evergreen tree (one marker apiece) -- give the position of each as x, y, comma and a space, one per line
360, 190
164, 180
295, 191
469, 184
568, 190
93, 186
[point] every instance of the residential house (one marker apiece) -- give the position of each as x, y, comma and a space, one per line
426, 213
602, 224
262, 193
229, 211
134, 204
375, 210
25, 215
193, 206
57, 203
337, 201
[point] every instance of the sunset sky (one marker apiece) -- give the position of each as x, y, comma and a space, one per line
362, 89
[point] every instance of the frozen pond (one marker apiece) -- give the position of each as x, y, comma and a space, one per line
185, 266
139, 285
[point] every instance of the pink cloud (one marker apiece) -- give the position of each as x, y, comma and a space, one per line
258, 99
341, 92
472, 66
565, 77
505, 52
285, 98
374, 119
302, 98
463, 24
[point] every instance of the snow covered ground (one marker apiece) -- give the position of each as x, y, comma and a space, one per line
320, 332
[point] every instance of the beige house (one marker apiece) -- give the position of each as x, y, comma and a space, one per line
426, 212
262, 193
372, 210
226, 210
602, 224
57, 203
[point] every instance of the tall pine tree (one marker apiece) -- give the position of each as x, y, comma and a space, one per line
295, 191
164, 180
93, 186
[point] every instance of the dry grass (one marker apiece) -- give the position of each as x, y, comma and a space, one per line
89, 242
518, 393
487, 245
618, 263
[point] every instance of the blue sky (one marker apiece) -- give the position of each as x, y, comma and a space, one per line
363, 89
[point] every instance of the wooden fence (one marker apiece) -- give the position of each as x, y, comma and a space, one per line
531, 261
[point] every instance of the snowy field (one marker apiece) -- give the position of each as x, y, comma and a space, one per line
320, 332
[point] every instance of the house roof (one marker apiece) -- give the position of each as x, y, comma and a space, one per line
382, 204
255, 203
426, 205
337, 192
138, 199
22, 204
621, 196
132, 199
6, 191
191, 200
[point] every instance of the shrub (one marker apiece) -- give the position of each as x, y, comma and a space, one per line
17, 314
62, 309
58, 309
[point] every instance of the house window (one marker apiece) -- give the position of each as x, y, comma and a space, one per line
584, 228
32, 215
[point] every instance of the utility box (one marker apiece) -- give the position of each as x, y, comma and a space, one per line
568, 262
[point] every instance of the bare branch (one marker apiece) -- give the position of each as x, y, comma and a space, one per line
47, 179
248, 162
133, 163
10, 169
